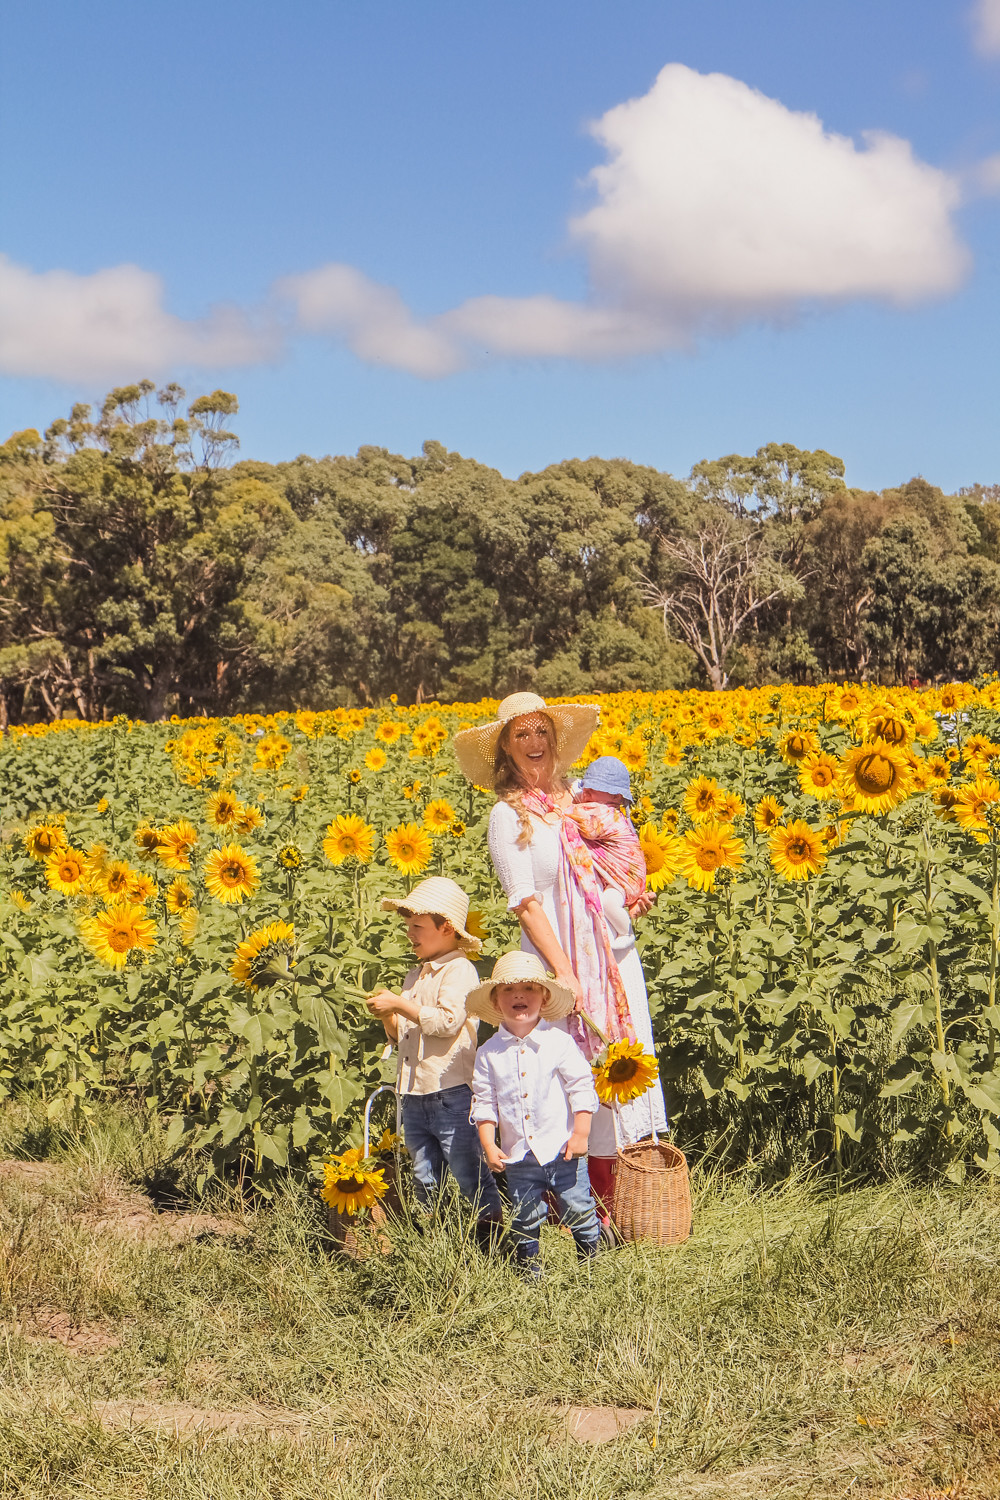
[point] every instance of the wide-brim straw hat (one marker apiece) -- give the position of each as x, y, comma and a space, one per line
519, 968
437, 897
476, 748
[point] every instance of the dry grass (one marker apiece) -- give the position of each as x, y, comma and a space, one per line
798, 1346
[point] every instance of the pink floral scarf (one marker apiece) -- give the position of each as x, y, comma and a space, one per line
589, 945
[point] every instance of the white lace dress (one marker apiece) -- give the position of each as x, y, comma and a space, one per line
533, 870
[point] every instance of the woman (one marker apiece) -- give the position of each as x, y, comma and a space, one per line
546, 870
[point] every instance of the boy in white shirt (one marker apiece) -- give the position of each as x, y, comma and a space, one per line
437, 1046
532, 1080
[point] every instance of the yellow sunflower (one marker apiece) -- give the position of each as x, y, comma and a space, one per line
709, 848
44, 839
818, 776
701, 799
376, 759
439, 815
20, 900
115, 880
176, 843
265, 957
249, 820
731, 807
348, 837
627, 1072
768, 814
672, 756
188, 925
349, 1185
119, 931
141, 888
231, 874
633, 752
223, 808
662, 852
147, 841
798, 745
876, 776
66, 872
944, 799
797, 851
179, 897
973, 802
409, 848
390, 731
289, 857
891, 728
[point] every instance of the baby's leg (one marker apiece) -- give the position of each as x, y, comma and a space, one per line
615, 911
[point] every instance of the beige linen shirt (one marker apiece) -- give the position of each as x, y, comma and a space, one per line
439, 1051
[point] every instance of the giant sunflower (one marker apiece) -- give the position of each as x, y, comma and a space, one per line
797, 745
223, 808
797, 851
626, 1072
876, 776
348, 837
711, 847
121, 930
231, 874
176, 843
44, 839
439, 815
662, 852
66, 872
350, 1185
701, 799
768, 814
818, 776
179, 897
409, 848
265, 957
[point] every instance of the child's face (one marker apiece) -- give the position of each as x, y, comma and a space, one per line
427, 939
606, 799
520, 1004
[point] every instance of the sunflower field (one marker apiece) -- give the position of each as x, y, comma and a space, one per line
190, 916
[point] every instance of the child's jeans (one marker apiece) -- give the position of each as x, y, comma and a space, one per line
569, 1184
440, 1138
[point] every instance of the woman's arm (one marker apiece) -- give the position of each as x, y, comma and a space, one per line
538, 930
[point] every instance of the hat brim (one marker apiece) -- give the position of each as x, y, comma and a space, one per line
400, 904
476, 748
479, 1002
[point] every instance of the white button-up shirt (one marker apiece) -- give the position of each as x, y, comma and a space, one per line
437, 1052
532, 1086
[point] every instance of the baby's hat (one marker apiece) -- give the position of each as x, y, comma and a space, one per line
608, 774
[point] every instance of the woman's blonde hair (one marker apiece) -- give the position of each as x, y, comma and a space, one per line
507, 781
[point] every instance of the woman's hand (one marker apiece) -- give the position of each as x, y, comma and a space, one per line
642, 904
570, 982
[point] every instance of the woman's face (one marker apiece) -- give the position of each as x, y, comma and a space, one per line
531, 748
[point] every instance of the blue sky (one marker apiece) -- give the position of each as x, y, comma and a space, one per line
439, 154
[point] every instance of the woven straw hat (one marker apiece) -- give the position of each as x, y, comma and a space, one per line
511, 968
437, 897
476, 748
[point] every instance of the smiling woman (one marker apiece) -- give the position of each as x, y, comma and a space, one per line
548, 875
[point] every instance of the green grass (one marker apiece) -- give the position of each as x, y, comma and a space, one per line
753, 1351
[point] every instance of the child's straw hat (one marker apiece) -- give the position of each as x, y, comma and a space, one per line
476, 748
514, 968
437, 897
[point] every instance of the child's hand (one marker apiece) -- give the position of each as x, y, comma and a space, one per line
495, 1159
576, 1145
382, 1003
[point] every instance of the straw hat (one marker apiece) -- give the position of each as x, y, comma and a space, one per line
437, 897
476, 748
514, 968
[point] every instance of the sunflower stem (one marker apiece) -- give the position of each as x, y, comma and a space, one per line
991, 998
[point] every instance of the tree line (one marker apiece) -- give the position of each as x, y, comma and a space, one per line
146, 569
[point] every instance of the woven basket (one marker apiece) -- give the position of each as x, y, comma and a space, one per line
652, 1196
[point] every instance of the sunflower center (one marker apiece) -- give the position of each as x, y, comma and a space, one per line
875, 774
704, 801
822, 775
708, 859
232, 873
798, 851
120, 939
351, 1184
623, 1070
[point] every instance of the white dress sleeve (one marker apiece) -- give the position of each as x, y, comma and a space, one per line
511, 860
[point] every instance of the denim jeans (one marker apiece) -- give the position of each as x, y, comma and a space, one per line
569, 1184
440, 1138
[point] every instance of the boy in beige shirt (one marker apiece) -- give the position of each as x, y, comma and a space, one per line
437, 1046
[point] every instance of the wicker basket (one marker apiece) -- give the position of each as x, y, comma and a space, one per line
652, 1196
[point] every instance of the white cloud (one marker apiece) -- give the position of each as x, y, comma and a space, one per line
715, 206
112, 325
986, 27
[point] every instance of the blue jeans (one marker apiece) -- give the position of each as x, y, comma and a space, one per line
569, 1184
440, 1138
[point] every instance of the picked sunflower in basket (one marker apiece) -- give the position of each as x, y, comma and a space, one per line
351, 1183
623, 1072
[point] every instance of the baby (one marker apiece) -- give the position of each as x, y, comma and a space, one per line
612, 840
